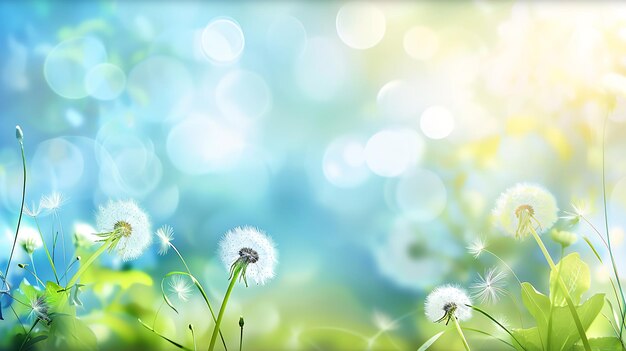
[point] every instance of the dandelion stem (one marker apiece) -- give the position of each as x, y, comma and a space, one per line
553, 288
458, 329
233, 280
90, 260
241, 333
568, 299
19, 219
45, 248
496, 322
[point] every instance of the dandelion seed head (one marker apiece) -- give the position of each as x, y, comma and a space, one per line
490, 287
253, 246
181, 287
447, 301
29, 239
525, 205
165, 235
477, 247
130, 223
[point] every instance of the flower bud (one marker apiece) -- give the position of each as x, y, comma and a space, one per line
19, 134
563, 237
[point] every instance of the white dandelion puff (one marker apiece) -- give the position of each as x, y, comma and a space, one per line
523, 207
181, 287
165, 235
52, 202
252, 248
128, 225
29, 239
490, 287
477, 247
446, 302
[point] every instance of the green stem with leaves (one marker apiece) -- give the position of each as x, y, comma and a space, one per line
568, 299
236, 273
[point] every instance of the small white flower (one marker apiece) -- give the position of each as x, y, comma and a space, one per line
52, 202
525, 206
251, 247
29, 239
477, 247
129, 224
165, 235
446, 302
84, 235
180, 286
489, 287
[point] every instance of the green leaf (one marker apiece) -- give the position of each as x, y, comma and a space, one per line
564, 333
530, 338
575, 274
70, 333
537, 304
430, 341
602, 344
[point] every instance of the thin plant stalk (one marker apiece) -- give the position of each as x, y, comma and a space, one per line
90, 260
32, 263
568, 299
197, 283
233, 280
241, 336
45, 248
458, 329
479, 310
606, 227
553, 288
19, 219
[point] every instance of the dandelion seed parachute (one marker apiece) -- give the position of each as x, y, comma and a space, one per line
29, 239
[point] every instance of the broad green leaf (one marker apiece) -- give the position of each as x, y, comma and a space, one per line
564, 333
430, 341
529, 338
70, 333
602, 344
575, 274
537, 304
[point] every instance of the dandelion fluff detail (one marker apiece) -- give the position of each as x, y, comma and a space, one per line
128, 224
252, 247
490, 287
29, 239
524, 206
446, 302
165, 234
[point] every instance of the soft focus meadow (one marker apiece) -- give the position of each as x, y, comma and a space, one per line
350, 175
